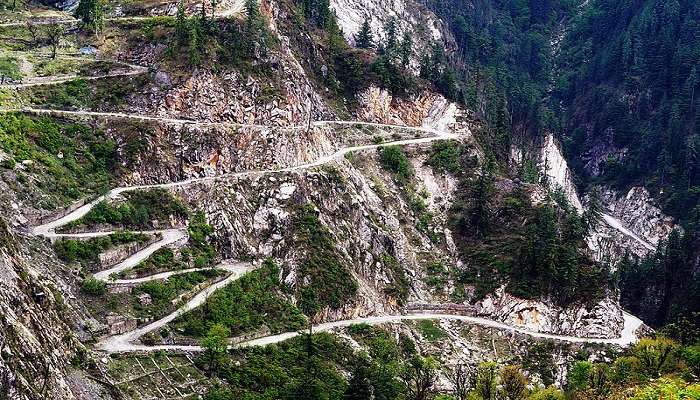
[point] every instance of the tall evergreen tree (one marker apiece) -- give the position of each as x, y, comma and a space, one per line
364, 38
391, 35
406, 49
181, 28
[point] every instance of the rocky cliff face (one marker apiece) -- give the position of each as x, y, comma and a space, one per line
604, 319
37, 341
423, 26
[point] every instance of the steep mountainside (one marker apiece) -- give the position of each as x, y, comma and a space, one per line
188, 187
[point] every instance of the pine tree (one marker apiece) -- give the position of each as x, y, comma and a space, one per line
364, 38
390, 31
91, 16
479, 213
252, 11
360, 385
406, 49
196, 41
181, 28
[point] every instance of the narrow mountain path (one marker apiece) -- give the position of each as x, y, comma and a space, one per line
45, 81
236, 8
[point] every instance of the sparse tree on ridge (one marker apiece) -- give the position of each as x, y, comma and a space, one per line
390, 31
54, 32
91, 15
406, 49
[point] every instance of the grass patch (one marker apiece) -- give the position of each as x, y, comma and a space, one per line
69, 160
445, 156
9, 69
430, 330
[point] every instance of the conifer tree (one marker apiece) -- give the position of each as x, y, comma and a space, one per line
364, 38
181, 28
406, 49
390, 31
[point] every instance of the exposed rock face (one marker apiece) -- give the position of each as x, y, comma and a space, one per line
36, 344
425, 109
602, 320
638, 211
411, 17
554, 165
641, 226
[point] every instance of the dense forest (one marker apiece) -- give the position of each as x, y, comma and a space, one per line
617, 81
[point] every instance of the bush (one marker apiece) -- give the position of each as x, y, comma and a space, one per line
141, 207
445, 156
87, 251
395, 160
94, 287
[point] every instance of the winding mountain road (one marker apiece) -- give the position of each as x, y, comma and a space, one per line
127, 342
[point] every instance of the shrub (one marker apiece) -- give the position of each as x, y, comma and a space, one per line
395, 160
445, 156
94, 287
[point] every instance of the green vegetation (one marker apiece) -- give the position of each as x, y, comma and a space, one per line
664, 287
394, 159
619, 88
654, 368
430, 330
345, 70
399, 285
71, 160
201, 38
87, 252
79, 93
445, 156
164, 292
251, 302
91, 15
199, 250
94, 287
9, 69
637, 89
322, 278
161, 260
215, 344
537, 251
437, 275
138, 211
